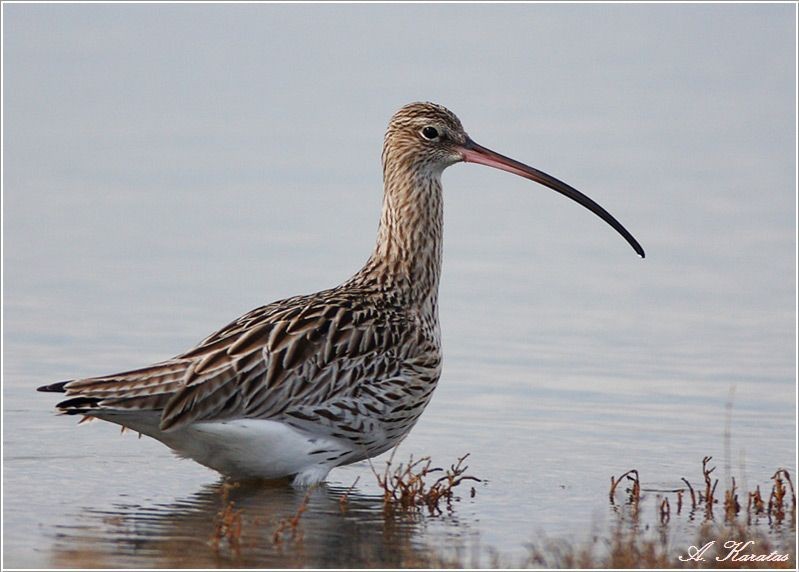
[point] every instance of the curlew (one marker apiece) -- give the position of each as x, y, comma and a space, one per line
303, 385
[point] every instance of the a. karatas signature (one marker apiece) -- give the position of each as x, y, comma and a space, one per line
736, 552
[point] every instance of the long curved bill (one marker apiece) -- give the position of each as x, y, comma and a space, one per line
474, 153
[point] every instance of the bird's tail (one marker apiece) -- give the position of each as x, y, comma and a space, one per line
55, 387
74, 406
144, 389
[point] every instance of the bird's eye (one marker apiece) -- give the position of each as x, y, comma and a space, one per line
430, 133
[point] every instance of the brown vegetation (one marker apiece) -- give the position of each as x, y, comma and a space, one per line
227, 524
777, 505
288, 528
405, 488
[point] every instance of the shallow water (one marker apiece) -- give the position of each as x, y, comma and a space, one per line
154, 189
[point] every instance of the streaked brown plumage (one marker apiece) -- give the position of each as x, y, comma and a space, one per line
305, 384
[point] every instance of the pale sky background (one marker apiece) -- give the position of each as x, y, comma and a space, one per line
135, 133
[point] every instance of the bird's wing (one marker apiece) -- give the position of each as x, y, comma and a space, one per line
304, 350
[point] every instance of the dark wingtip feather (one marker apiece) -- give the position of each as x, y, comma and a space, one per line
78, 405
58, 387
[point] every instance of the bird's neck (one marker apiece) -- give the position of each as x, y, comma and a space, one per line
407, 257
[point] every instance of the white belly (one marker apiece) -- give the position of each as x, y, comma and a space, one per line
248, 448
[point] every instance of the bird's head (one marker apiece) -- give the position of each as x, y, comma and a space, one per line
426, 138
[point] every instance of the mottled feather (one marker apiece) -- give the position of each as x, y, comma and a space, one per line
356, 364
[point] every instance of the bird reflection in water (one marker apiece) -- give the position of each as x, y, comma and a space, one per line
189, 533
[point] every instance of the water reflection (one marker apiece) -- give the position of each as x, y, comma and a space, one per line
330, 533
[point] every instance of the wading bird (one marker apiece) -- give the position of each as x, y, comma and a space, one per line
302, 385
